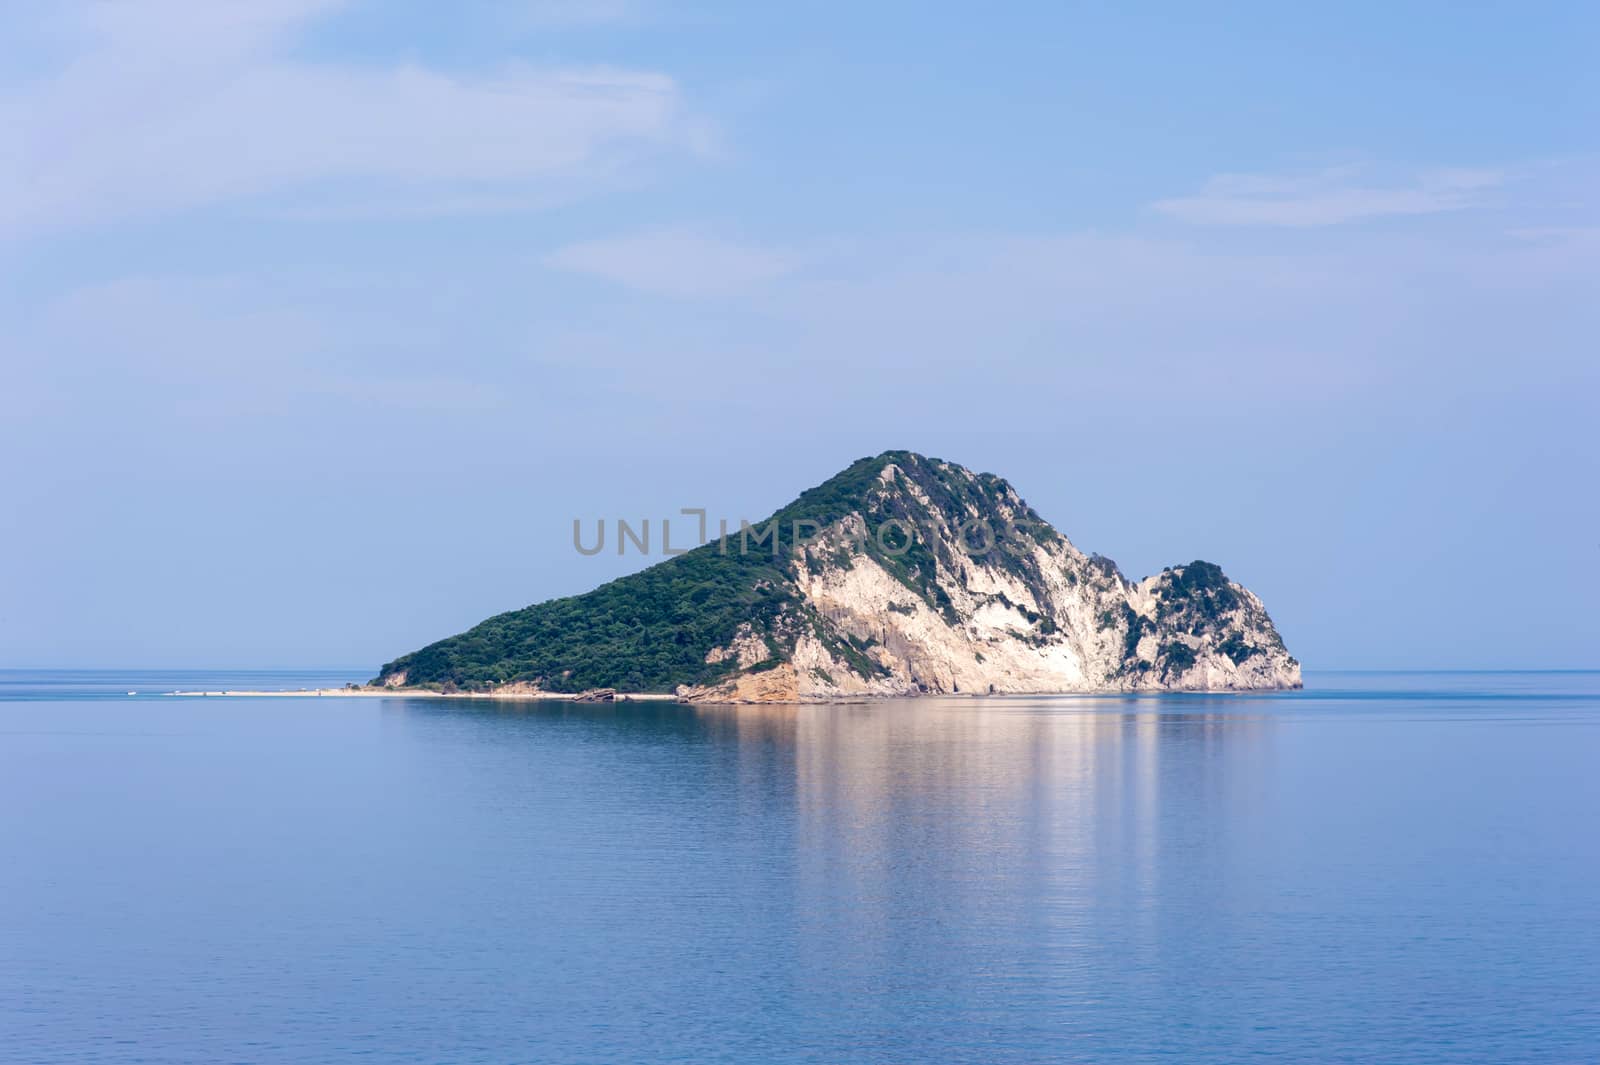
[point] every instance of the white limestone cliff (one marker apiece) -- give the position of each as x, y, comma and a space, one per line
1033, 614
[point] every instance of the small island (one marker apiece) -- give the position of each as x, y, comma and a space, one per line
902, 575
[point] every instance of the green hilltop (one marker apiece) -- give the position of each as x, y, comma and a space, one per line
653, 630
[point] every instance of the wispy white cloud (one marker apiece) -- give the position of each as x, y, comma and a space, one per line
675, 262
162, 105
1327, 197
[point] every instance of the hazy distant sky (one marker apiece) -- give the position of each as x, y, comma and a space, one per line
321, 321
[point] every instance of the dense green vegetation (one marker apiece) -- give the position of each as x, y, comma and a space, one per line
646, 632
1176, 658
1198, 593
1136, 625
1237, 650
651, 631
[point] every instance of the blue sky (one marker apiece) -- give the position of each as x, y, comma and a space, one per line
322, 321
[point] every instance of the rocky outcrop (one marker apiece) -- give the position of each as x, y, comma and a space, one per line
987, 598
780, 684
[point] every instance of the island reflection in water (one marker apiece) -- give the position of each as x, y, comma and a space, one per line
1102, 878
1388, 868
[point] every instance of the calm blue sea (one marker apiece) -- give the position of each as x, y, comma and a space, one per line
1382, 868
